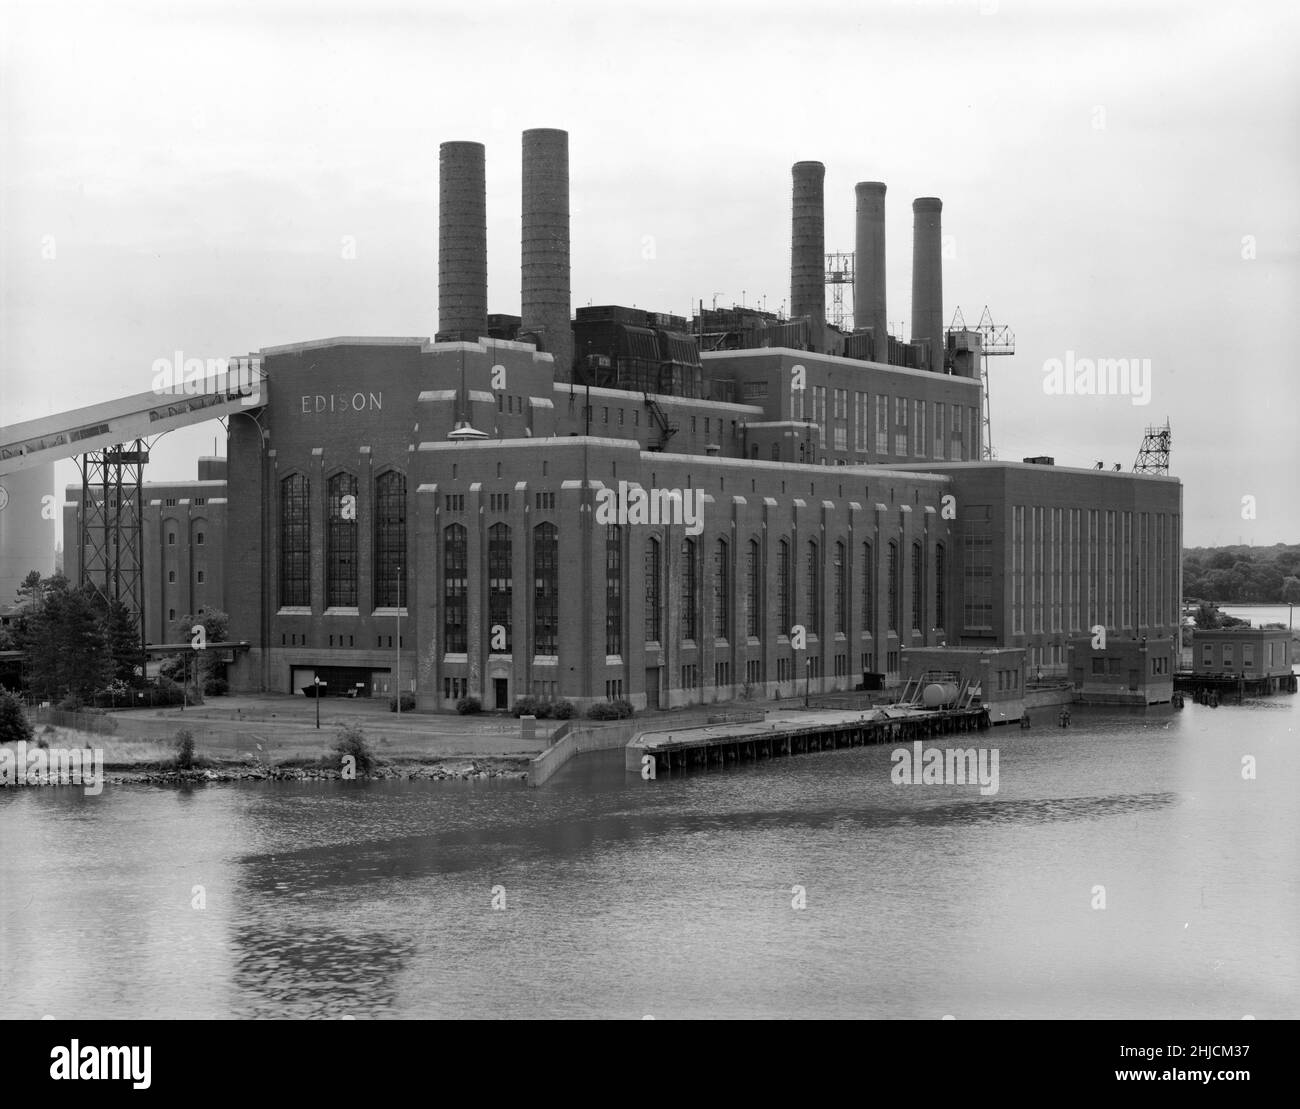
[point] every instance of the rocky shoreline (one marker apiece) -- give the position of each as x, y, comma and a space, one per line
476, 770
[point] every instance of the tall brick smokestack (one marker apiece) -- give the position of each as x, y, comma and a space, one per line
808, 244
927, 276
462, 241
545, 291
869, 266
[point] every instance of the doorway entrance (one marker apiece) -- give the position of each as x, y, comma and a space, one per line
500, 691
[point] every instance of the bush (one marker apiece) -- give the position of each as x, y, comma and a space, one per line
467, 706
71, 704
14, 725
184, 744
564, 710
408, 703
524, 706
352, 741
610, 710
216, 687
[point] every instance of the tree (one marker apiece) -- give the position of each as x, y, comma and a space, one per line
14, 725
196, 666
1291, 590
62, 633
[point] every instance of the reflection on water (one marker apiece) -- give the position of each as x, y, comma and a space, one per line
617, 897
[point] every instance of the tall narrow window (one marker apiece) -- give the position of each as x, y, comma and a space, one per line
721, 591
918, 617
841, 605
812, 579
500, 588
341, 542
295, 541
690, 591
546, 588
940, 614
868, 589
653, 574
613, 590
783, 588
390, 539
893, 587
753, 572
977, 577
455, 569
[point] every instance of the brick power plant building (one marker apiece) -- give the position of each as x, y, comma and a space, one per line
630, 505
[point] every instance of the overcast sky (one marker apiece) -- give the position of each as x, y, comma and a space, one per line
1120, 180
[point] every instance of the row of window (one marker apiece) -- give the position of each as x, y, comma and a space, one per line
545, 588
955, 427
388, 540
1275, 653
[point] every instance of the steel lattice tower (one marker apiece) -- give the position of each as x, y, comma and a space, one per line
112, 527
1153, 455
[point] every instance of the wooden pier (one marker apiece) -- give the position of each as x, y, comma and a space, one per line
719, 745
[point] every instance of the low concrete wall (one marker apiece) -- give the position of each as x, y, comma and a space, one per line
579, 739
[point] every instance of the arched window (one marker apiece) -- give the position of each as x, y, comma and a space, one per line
841, 602
893, 586
721, 591
868, 589
776, 452
753, 593
812, 578
341, 542
390, 539
546, 589
783, 613
940, 616
295, 541
500, 588
613, 589
455, 588
653, 576
918, 615
690, 592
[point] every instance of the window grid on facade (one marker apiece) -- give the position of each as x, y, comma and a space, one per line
940, 613
295, 541
918, 616
341, 542
613, 589
783, 587
812, 583
390, 538
868, 589
841, 594
882, 426
455, 569
653, 574
500, 588
892, 587
546, 586
753, 610
721, 591
977, 573
690, 592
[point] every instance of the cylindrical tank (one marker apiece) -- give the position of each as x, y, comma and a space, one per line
927, 277
937, 694
27, 527
869, 266
545, 291
462, 241
808, 243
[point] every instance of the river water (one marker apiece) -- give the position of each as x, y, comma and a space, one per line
675, 898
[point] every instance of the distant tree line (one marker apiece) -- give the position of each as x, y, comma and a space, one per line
1246, 575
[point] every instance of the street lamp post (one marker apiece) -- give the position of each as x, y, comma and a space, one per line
317, 682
